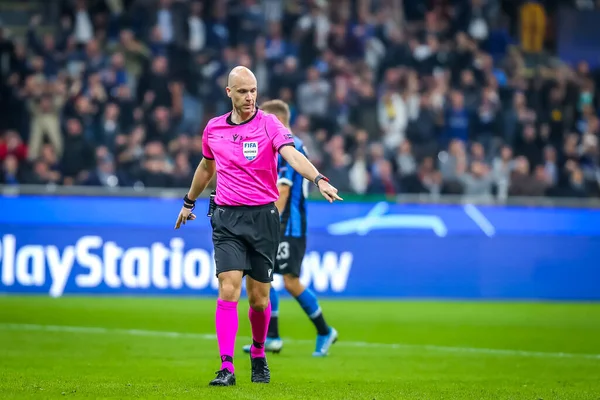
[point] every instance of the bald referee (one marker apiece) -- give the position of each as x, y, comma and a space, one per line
242, 146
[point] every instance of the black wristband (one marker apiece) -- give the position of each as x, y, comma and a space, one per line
188, 200
319, 178
188, 203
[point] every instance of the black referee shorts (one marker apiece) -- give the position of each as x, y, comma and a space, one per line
245, 239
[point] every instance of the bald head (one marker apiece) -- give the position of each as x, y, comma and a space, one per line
241, 88
240, 75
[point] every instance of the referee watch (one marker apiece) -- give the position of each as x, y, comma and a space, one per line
319, 178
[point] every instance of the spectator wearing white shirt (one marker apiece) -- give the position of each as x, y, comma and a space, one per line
196, 28
393, 119
164, 18
83, 29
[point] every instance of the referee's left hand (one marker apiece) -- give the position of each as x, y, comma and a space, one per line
184, 215
328, 191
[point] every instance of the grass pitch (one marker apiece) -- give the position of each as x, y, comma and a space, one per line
93, 347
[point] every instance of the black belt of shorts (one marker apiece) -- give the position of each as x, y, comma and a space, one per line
247, 208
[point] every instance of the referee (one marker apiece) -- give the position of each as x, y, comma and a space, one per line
242, 146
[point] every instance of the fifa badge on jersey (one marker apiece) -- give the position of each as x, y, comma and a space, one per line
250, 150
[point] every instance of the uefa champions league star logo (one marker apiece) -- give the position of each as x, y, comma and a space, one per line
376, 219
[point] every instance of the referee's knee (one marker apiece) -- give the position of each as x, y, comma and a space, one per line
259, 303
230, 287
229, 293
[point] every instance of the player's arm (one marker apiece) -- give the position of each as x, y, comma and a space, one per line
304, 167
283, 143
202, 177
285, 181
284, 194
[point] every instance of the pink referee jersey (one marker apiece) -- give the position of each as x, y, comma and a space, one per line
245, 157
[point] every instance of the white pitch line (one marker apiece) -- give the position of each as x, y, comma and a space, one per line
206, 336
480, 219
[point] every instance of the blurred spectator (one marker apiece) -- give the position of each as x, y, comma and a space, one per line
104, 172
393, 118
450, 161
533, 26
389, 97
477, 181
11, 175
523, 183
426, 180
83, 28
45, 105
182, 171
79, 152
313, 96
384, 181
11, 144
405, 160
457, 120
502, 167
132, 56
196, 28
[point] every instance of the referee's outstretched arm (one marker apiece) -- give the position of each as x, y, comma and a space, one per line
304, 167
202, 176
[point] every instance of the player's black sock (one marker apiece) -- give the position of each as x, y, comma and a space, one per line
320, 324
273, 331
309, 303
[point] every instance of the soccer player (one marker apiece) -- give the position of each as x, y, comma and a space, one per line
292, 208
242, 147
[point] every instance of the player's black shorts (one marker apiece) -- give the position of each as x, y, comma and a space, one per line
290, 255
246, 238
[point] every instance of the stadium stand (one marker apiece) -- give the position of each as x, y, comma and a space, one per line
431, 97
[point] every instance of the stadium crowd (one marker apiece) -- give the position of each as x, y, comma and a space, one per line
389, 97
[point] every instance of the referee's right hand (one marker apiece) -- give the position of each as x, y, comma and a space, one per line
328, 191
184, 215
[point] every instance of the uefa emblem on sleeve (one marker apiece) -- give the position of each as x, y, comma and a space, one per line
250, 150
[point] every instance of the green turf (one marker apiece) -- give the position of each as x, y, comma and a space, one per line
440, 352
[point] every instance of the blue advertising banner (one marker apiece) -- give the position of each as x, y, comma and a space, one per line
76, 245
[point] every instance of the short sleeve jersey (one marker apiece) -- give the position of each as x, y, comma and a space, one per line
246, 157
